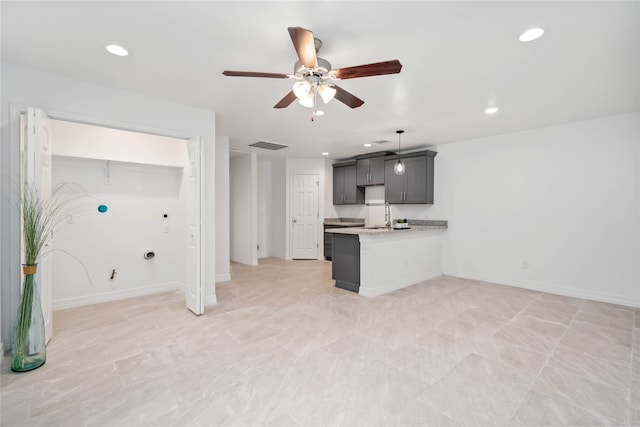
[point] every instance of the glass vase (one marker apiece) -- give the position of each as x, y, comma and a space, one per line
29, 346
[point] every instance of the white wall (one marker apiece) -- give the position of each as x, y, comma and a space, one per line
553, 209
279, 217
66, 98
243, 212
265, 197
96, 243
223, 272
93, 142
139, 194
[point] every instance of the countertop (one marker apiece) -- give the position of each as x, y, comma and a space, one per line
384, 230
344, 222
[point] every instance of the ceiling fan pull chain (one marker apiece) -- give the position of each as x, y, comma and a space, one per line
315, 108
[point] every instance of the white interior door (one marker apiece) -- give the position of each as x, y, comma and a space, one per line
304, 216
37, 171
194, 289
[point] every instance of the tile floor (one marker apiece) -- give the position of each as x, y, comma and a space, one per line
283, 347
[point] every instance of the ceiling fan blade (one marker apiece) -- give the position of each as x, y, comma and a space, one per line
376, 69
305, 46
347, 98
255, 74
286, 101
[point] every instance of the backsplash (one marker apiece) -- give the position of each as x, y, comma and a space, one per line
373, 209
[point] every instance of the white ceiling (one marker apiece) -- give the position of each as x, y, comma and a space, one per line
458, 58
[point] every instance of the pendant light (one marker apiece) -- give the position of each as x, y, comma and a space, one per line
399, 168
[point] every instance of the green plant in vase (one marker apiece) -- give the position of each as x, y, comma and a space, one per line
39, 218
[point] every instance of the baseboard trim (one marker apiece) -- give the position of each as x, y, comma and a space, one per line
210, 300
551, 289
394, 286
62, 304
224, 277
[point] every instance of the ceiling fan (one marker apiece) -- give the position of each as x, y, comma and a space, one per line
315, 77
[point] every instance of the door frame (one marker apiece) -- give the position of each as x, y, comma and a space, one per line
292, 195
11, 261
289, 195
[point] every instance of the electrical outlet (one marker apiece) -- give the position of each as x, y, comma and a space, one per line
525, 265
167, 229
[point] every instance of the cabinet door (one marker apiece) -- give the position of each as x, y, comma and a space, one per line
338, 186
362, 168
415, 180
351, 191
393, 184
376, 171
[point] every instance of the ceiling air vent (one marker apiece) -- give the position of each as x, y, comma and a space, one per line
268, 145
382, 141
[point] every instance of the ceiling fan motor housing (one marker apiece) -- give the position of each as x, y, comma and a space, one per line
324, 66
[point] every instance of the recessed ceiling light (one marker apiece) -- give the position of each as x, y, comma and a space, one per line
325, 154
491, 110
117, 50
367, 145
531, 34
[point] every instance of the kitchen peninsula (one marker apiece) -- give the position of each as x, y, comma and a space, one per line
377, 260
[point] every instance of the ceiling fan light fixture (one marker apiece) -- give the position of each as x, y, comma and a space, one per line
301, 89
326, 92
307, 101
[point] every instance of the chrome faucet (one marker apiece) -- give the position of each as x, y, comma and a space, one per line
387, 214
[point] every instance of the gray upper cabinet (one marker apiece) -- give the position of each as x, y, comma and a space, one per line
370, 171
415, 186
345, 188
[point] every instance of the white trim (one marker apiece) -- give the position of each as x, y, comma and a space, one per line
64, 303
210, 300
551, 289
224, 277
398, 284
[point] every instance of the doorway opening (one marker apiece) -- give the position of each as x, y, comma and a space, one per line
148, 190
305, 216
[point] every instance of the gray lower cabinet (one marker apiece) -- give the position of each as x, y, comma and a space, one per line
415, 186
345, 188
370, 171
328, 238
345, 268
